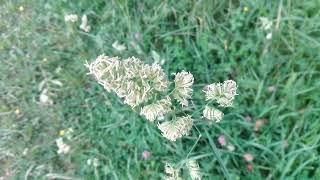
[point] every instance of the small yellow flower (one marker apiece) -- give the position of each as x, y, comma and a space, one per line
245, 9
17, 111
61, 133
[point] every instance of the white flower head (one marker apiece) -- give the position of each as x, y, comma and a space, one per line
172, 130
269, 36
71, 18
266, 24
183, 87
130, 79
172, 173
156, 110
194, 170
62, 147
119, 47
45, 98
223, 93
69, 133
212, 114
84, 24
94, 162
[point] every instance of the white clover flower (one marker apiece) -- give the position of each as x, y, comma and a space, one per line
182, 92
69, 133
269, 35
44, 97
266, 24
130, 79
71, 18
62, 147
25, 151
194, 170
223, 93
94, 162
176, 129
157, 109
173, 173
212, 114
118, 47
84, 24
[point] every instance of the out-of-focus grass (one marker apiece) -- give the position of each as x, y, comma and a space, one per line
215, 40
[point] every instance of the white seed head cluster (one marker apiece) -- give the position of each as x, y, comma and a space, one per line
130, 79
183, 87
194, 170
172, 173
157, 109
223, 93
172, 130
212, 114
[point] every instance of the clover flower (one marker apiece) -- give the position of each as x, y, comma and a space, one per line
194, 170
183, 82
172, 130
212, 114
173, 173
93, 162
119, 47
84, 24
157, 109
71, 18
223, 93
266, 24
130, 79
62, 147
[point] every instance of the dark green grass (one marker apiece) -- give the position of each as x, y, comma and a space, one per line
215, 40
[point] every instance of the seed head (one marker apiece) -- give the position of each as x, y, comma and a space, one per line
172, 130
183, 82
194, 170
157, 109
212, 114
130, 79
223, 93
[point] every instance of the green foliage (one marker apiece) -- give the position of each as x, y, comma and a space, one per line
215, 40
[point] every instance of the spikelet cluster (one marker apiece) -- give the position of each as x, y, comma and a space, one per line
156, 110
183, 87
130, 79
172, 130
212, 114
172, 173
194, 170
223, 93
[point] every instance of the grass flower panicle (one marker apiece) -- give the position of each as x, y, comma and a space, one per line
213, 114
172, 173
157, 109
172, 130
130, 79
223, 93
194, 170
183, 91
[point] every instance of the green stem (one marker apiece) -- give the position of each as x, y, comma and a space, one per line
217, 155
